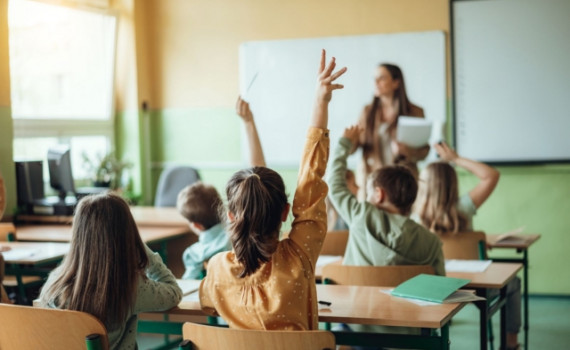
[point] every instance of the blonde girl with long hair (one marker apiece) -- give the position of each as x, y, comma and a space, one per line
439, 206
109, 272
264, 283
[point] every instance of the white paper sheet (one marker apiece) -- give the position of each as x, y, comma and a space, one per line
413, 131
327, 259
19, 254
466, 265
189, 286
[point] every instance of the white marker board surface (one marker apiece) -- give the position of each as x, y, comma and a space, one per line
512, 80
282, 93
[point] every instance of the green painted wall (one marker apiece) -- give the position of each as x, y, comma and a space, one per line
6, 163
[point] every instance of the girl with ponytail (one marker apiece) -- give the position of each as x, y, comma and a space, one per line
264, 283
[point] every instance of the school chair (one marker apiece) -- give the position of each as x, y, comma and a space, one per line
203, 337
335, 243
385, 276
8, 234
172, 180
3, 296
26, 327
469, 245
464, 245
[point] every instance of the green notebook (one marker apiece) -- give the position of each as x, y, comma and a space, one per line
429, 287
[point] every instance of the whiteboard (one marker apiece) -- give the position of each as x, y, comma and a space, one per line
512, 80
281, 95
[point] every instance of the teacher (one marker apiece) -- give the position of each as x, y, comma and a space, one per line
379, 122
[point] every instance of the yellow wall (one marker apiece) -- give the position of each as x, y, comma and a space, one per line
193, 44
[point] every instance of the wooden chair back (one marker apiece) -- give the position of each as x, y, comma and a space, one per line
387, 276
204, 337
7, 232
26, 327
464, 245
335, 243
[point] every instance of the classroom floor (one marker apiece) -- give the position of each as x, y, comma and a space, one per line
549, 327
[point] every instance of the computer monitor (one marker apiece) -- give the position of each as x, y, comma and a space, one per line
60, 175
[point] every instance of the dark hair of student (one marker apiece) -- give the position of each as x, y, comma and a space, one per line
256, 198
400, 95
399, 184
106, 258
200, 203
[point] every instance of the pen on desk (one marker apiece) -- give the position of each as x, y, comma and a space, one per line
327, 303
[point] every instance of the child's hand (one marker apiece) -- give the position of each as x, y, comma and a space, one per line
325, 86
445, 152
242, 109
352, 133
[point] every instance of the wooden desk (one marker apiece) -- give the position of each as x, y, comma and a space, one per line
144, 216
365, 305
62, 233
33, 262
521, 246
496, 276
157, 216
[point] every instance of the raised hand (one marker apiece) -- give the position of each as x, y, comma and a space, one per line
326, 78
352, 133
445, 152
242, 109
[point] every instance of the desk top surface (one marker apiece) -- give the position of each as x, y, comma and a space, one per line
361, 305
62, 233
517, 241
144, 216
33, 252
497, 275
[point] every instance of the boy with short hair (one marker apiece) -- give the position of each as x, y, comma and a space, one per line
380, 232
199, 204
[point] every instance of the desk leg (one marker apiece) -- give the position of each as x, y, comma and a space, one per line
483, 307
525, 297
504, 318
445, 337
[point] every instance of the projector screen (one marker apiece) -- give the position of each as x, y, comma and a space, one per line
511, 63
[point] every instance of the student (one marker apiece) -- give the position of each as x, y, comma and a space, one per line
109, 272
380, 231
334, 221
439, 206
440, 209
264, 283
200, 204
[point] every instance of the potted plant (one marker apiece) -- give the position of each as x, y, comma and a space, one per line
107, 170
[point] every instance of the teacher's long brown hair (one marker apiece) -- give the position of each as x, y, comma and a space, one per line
370, 127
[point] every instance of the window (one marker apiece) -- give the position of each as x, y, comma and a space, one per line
62, 69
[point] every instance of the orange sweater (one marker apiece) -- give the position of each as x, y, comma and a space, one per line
281, 294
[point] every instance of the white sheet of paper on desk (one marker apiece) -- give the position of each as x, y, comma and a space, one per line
411, 300
459, 296
189, 286
19, 254
466, 265
413, 131
328, 259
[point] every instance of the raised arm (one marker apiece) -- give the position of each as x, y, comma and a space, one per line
488, 176
256, 156
310, 224
325, 88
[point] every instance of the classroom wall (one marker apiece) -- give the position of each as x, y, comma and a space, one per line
192, 51
6, 128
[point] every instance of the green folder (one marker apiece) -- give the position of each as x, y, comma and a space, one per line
429, 287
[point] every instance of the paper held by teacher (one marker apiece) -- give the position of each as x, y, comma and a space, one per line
413, 131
